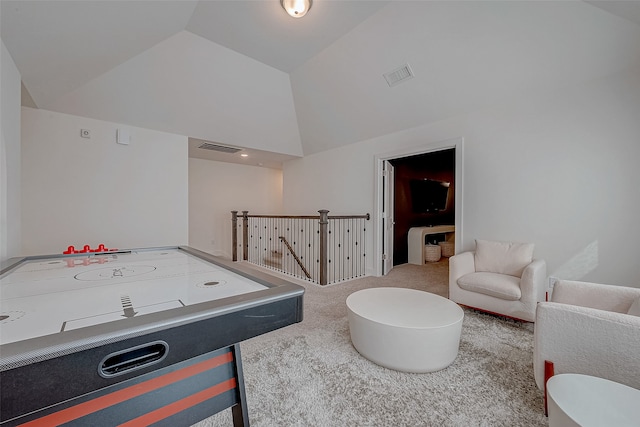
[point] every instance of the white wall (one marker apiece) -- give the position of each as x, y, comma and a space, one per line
192, 86
559, 170
465, 55
216, 189
78, 191
9, 156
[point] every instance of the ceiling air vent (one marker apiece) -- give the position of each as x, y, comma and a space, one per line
220, 148
398, 75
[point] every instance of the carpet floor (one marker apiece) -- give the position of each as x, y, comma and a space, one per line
309, 374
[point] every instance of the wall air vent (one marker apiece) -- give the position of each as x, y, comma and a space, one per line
398, 75
218, 147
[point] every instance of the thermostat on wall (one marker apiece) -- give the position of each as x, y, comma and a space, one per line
123, 136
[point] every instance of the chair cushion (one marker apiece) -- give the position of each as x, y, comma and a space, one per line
501, 286
634, 310
503, 257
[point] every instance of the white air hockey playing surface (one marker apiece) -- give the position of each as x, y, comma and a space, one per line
48, 296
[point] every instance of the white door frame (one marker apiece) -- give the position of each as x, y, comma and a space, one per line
458, 144
387, 214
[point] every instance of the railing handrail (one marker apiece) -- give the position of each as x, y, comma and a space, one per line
367, 216
285, 216
295, 256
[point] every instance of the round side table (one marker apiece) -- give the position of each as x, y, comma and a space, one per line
577, 400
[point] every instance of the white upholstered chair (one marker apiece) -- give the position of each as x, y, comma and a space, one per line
591, 329
499, 277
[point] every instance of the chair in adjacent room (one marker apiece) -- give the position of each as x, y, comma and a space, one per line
499, 277
591, 329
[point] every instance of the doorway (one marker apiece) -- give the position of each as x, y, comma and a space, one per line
397, 212
418, 201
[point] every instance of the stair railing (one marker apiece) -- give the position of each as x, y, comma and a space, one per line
323, 249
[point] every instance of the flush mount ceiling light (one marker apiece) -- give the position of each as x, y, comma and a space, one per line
296, 8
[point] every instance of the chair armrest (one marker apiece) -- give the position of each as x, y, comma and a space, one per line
595, 295
533, 281
588, 341
460, 265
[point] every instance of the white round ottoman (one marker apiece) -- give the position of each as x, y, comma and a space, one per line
581, 400
405, 329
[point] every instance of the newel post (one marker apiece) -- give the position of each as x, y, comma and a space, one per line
234, 235
324, 227
245, 235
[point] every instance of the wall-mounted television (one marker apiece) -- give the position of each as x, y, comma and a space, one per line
428, 195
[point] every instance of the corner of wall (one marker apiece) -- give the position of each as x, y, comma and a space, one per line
10, 80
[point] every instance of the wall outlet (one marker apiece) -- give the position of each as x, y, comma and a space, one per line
553, 281
85, 133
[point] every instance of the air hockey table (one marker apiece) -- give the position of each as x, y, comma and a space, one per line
130, 338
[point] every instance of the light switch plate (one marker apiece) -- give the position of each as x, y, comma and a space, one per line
123, 137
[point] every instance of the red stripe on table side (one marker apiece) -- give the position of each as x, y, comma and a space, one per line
181, 405
120, 396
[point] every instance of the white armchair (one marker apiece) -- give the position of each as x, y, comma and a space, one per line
499, 277
591, 329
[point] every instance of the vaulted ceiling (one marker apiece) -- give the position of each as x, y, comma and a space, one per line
245, 74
